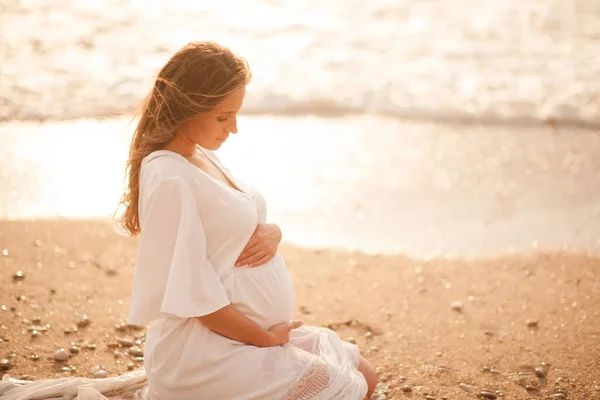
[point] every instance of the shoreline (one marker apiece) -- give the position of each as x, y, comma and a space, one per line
427, 325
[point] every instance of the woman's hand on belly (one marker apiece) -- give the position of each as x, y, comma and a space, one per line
261, 247
281, 332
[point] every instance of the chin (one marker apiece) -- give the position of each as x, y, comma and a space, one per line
213, 146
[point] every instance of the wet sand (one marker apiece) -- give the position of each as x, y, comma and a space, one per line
428, 325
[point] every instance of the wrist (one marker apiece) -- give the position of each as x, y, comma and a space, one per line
268, 339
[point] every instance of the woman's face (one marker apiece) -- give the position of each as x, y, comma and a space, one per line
210, 130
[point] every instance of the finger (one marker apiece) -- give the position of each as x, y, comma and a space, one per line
256, 257
261, 261
295, 324
250, 257
251, 243
249, 251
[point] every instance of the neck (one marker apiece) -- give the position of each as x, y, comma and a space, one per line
182, 146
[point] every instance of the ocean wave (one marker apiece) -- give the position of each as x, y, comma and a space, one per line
512, 63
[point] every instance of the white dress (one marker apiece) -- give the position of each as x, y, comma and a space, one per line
194, 227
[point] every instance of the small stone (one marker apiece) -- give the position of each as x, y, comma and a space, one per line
531, 323
111, 272
100, 374
91, 346
466, 387
35, 333
61, 355
5, 253
130, 366
406, 389
121, 327
36, 321
112, 345
84, 322
558, 396
539, 371
484, 394
38, 242
136, 352
118, 354
486, 369
67, 331
74, 349
457, 306
138, 342
65, 369
429, 397
34, 357
18, 276
12, 354
531, 388
5, 364
125, 342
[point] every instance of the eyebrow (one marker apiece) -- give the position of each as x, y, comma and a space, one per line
227, 112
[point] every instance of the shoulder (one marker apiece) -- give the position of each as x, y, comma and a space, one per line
164, 169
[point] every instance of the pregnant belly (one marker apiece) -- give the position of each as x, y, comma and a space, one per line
264, 294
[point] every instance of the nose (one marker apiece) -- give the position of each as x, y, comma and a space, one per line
233, 128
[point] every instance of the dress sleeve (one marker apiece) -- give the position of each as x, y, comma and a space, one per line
173, 276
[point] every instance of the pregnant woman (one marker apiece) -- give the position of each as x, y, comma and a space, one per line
208, 279
218, 299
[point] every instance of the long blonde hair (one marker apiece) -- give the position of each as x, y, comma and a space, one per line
195, 80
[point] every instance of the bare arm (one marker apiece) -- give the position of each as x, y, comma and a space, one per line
231, 323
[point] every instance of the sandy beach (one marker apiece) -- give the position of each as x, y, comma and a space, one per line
519, 326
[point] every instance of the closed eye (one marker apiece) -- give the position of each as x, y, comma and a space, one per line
222, 119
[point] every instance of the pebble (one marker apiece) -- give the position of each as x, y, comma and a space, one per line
18, 276
84, 322
539, 371
130, 366
138, 342
118, 354
558, 396
532, 323
530, 388
136, 352
466, 387
429, 397
5, 364
74, 349
457, 306
35, 333
65, 369
61, 355
34, 357
406, 389
100, 374
36, 320
487, 395
112, 345
125, 342
91, 346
